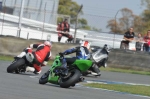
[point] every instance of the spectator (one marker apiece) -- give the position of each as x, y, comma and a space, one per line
59, 32
65, 26
63, 29
128, 37
146, 46
139, 42
70, 38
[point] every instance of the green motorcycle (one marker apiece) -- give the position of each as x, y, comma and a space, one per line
56, 75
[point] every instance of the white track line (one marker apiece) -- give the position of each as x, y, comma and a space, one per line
80, 85
118, 92
34, 77
115, 82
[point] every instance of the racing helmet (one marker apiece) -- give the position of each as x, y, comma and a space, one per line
107, 47
48, 43
85, 44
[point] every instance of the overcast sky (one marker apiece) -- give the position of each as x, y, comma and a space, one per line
98, 12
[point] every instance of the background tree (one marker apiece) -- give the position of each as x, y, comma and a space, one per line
114, 26
123, 24
69, 7
96, 29
146, 3
138, 24
145, 16
82, 22
127, 19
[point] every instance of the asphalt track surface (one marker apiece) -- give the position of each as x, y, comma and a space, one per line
26, 86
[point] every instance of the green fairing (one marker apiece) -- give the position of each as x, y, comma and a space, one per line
52, 77
83, 65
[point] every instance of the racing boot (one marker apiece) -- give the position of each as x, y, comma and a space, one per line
96, 74
30, 69
65, 71
33, 70
96, 70
61, 70
64, 67
37, 72
59, 39
105, 65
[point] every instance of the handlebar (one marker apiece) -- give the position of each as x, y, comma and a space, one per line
61, 54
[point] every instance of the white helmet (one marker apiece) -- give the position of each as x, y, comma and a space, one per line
48, 43
85, 44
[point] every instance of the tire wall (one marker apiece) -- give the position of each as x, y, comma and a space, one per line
129, 59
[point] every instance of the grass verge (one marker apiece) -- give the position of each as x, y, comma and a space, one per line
133, 89
125, 71
6, 58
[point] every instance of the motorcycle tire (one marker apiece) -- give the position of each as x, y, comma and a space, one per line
72, 79
44, 78
12, 67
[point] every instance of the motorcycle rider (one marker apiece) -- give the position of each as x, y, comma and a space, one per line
39, 57
82, 52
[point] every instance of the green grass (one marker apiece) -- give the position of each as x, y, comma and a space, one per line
6, 58
133, 89
125, 71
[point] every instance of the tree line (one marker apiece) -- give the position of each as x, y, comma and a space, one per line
140, 23
69, 7
127, 20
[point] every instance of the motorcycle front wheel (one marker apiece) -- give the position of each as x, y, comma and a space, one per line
44, 78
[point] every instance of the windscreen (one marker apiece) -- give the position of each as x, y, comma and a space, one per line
98, 55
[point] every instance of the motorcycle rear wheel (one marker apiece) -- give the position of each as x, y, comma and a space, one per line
71, 80
16, 64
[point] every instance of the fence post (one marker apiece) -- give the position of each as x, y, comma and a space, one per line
20, 18
44, 20
49, 37
28, 36
75, 32
3, 16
